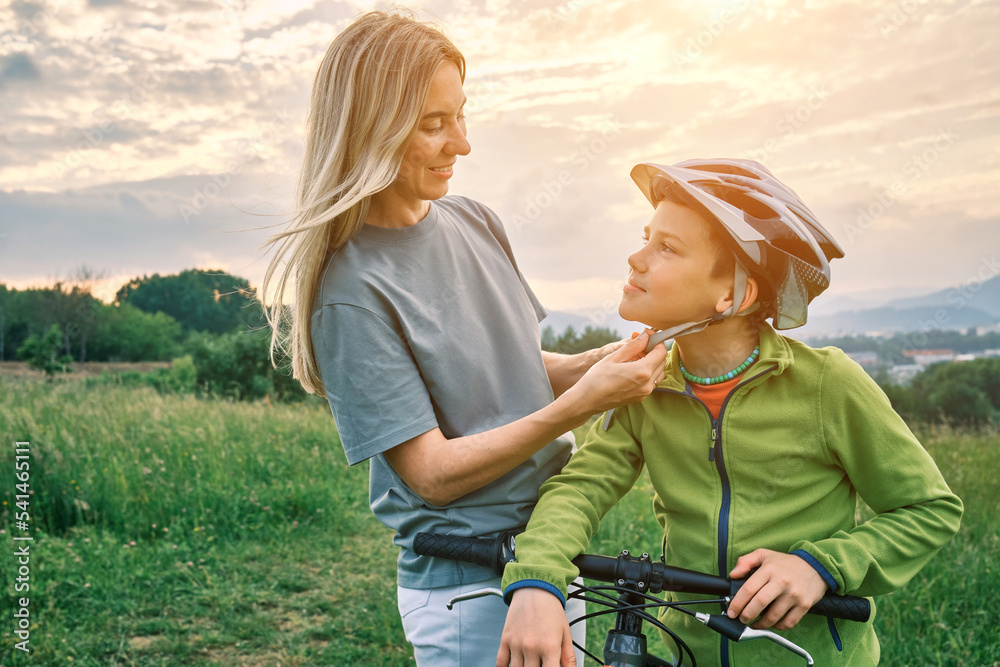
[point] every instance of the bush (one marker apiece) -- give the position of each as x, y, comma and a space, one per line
238, 366
42, 352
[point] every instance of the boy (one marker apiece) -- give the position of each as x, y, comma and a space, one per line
757, 445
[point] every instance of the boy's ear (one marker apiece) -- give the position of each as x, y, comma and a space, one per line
750, 296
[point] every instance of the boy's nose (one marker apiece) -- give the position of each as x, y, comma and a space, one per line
635, 261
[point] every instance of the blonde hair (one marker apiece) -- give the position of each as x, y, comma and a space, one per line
367, 100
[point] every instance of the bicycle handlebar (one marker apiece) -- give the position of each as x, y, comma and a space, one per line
645, 574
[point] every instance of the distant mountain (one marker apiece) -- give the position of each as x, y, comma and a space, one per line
828, 304
893, 320
984, 296
878, 311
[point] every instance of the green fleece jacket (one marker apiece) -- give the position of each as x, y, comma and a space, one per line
798, 440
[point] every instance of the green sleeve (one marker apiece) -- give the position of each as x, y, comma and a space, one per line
571, 504
916, 511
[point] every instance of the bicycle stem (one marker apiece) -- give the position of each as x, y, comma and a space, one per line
736, 631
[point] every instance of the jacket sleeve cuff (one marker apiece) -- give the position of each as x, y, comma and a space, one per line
533, 583
816, 565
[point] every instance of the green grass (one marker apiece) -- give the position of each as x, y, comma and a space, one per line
270, 555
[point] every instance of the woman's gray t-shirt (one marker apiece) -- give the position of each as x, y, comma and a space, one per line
426, 326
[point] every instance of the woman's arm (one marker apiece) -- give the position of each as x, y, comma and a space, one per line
441, 470
564, 370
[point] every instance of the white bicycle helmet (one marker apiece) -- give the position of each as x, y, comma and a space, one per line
775, 237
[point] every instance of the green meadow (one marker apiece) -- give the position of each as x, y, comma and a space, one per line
172, 530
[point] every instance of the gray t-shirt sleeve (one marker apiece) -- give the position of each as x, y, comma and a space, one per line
375, 390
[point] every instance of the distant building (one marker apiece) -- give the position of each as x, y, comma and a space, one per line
865, 359
927, 357
903, 373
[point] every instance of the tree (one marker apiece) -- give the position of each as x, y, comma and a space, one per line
125, 333
959, 403
571, 343
209, 301
42, 352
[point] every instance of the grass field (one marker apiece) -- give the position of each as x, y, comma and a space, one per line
176, 531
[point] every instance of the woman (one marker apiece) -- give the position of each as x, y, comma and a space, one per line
413, 320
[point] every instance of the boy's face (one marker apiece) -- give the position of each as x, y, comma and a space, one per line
670, 281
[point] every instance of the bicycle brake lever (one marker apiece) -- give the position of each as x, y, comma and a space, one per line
736, 631
472, 595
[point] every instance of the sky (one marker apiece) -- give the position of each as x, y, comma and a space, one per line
153, 137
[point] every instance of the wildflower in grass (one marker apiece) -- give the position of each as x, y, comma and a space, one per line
132, 543
87, 585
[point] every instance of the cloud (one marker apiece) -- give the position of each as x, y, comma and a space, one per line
134, 112
18, 67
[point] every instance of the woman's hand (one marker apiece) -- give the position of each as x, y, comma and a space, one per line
613, 346
536, 632
786, 585
625, 375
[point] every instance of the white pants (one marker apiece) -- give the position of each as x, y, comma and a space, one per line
469, 634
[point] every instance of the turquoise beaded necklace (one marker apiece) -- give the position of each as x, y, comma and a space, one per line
726, 376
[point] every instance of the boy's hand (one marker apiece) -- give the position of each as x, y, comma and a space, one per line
784, 583
536, 632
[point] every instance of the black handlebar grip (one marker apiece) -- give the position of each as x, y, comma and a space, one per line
849, 607
469, 549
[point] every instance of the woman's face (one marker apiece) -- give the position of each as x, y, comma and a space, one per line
433, 150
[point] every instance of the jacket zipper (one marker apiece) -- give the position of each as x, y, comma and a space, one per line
715, 455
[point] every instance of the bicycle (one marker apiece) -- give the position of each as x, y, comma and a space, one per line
635, 580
